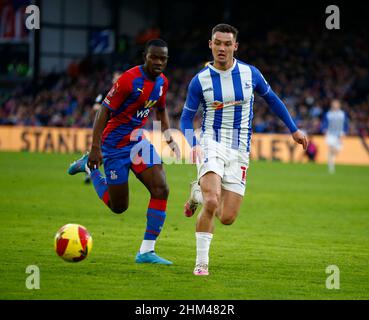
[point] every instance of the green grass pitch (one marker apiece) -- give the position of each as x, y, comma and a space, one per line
294, 222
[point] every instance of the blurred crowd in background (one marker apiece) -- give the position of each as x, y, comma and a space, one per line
306, 70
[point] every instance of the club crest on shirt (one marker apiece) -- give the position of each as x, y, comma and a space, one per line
248, 85
113, 175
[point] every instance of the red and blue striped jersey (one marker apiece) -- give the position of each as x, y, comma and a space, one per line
130, 100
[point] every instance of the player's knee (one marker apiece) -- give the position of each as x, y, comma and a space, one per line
160, 191
212, 202
227, 220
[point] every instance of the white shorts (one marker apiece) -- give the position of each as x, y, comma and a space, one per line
333, 142
230, 164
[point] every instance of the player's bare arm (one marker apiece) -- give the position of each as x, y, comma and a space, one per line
101, 119
197, 154
162, 116
300, 138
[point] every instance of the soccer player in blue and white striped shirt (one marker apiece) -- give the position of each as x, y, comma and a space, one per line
225, 90
335, 126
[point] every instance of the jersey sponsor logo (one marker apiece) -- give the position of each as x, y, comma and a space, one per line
216, 105
208, 89
149, 104
144, 113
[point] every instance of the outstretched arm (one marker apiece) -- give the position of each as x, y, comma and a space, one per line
162, 116
262, 87
186, 124
95, 156
117, 94
193, 101
281, 111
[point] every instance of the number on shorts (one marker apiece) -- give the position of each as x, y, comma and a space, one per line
243, 173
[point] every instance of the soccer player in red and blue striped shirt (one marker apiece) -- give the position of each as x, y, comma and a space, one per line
119, 144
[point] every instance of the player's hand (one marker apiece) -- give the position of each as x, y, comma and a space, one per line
300, 138
175, 148
94, 158
197, 154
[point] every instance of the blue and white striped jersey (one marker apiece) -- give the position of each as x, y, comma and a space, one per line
227, 99
335, 123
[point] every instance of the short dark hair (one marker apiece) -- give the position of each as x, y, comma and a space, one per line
155, 43
227, 28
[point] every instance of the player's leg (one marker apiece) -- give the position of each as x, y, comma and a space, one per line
332, 143
210, 184
210, 175
154, 179
87, 179
229, 207
115, 196
211, 190
233, 186
222, 194
331, 159
194, 200
113, 189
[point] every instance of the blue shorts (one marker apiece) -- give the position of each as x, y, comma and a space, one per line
141, 157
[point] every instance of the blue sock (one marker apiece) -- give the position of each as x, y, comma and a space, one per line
155, 218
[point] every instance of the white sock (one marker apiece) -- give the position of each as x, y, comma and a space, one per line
203, 240
331, 160
197, 194
147, 245
198, 197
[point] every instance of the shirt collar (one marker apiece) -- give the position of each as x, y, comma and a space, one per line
223, 71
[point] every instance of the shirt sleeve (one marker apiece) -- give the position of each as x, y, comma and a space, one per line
279, 108
161, 104
346, 124
194, 95
324, 125
193, 101
260, 85
119, 92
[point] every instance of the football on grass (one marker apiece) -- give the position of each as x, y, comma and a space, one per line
73, 242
